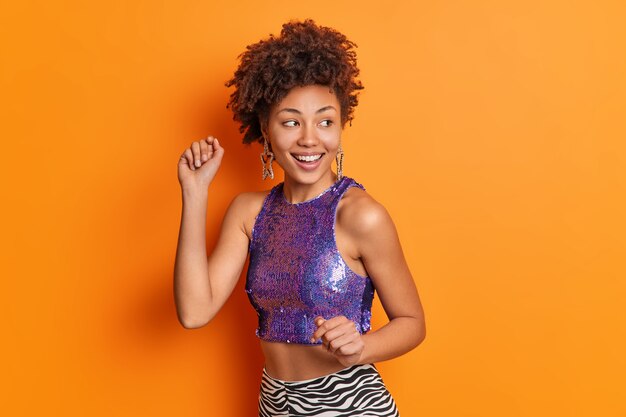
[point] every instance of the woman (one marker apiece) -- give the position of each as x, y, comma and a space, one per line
319, 244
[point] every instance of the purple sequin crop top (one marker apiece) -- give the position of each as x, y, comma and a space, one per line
296, 272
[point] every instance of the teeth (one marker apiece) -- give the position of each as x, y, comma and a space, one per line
308, 158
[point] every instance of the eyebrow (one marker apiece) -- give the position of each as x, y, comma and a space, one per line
291, 110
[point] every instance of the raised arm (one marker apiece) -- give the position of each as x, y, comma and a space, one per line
203, 284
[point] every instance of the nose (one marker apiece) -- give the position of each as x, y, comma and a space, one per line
308, 137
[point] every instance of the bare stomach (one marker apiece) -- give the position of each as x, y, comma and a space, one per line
294, 362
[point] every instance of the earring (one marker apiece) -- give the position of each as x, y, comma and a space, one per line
267, 157
339, 160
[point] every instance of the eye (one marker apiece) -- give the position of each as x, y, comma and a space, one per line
290, 123
326, 123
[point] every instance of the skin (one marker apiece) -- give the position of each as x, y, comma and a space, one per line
306, 121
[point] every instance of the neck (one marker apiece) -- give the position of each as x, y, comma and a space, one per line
297, 192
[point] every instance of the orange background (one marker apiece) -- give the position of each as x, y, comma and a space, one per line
493, 132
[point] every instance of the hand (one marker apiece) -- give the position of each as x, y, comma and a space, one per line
198, 165
341, 338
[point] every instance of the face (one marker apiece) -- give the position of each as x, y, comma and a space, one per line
304, 132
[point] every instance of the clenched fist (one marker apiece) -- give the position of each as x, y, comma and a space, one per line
199, 163
341, 338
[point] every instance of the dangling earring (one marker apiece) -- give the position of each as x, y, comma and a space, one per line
267, 157
339, 160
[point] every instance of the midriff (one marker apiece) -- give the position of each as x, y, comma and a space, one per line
295, 362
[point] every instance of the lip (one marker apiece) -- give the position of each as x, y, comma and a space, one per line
307, 153
308, 166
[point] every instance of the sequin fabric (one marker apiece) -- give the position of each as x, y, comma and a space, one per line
296, 272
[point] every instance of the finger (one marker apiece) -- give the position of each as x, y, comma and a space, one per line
319, 320
187, 158
335, 321
340, 342
347, 328
211, 141
351, 348
204, 150
217, 148
195, 148
326, 346
326, 325
333, 345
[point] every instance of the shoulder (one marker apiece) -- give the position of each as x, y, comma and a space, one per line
245, 206
361, 215
247, 198
248, 202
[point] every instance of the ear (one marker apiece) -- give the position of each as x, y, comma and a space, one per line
266, 137
263, 125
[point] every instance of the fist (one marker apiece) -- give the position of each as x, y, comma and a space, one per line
198, 164
340, 338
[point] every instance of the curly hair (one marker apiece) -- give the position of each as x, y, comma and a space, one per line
303, 54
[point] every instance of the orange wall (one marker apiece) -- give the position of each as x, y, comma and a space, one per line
493, 132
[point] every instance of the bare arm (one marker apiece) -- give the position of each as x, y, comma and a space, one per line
203, 284
192, 290
384, 260
368, 223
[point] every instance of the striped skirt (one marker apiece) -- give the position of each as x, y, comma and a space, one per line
355, 391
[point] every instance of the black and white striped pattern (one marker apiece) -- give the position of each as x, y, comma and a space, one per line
355, 391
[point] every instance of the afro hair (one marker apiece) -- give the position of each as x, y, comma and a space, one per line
303, 54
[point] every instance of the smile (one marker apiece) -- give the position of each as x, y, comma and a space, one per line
307, 158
